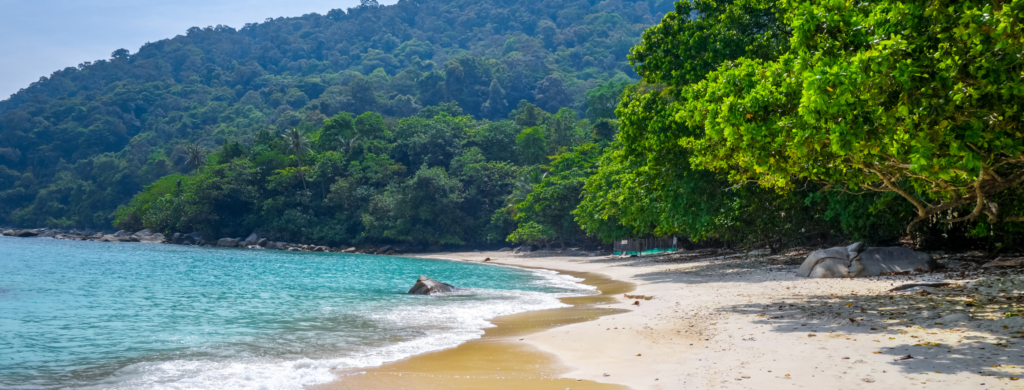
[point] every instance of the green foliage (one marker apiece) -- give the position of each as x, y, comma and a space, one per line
532, 233
219, 84
531, 146
914, 98
602, 100
552, 201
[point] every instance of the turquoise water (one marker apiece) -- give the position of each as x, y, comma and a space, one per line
148, 316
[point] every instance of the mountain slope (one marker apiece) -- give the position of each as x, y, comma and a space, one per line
76, 145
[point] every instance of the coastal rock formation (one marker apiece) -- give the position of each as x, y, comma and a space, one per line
427, 286
853, 261
23, 233
227, 243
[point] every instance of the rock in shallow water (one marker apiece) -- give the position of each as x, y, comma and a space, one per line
427, 286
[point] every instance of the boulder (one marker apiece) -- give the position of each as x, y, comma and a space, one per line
49, 234
262, 242
144, 233
427, 286
853, 261
8, 232
251, 240
26, 233
382, 250
227, 242
349, 250
505, 249
156, 238
391, 252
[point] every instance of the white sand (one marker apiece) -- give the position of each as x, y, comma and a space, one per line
750, 323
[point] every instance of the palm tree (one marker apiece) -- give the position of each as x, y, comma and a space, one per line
347, 144
298, 144
196, 156
521, 188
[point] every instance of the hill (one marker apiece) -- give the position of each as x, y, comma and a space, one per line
78, 144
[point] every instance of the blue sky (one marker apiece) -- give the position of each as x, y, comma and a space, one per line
41, 36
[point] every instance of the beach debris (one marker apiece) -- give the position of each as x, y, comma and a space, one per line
637, 303
852, 261
915, 285
1004, 263
487, 259
638, 354
644, 297
868, 379
427, 286
907, 357
606, 374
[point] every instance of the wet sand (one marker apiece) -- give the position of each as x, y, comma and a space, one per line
738, 321
502, 358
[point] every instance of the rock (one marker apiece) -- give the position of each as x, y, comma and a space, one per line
1005, 263
176, 238
49, 234
156, 238
851, 261
227, 242
427, 286
8, 232
262, 242
26, 233
759, 252
382, 250
293, 249
391, 252
954, 319
144, 233
320, 249
349, 250
250, 240
505, 249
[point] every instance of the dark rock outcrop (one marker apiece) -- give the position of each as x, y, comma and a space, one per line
427, 286
854, 261
227, 242
26, 233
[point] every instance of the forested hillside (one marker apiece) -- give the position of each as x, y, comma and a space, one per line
76, 145
746, 123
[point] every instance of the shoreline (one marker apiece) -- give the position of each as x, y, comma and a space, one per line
747, 322
720, 320
502, 358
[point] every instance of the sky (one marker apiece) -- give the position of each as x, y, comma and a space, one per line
38, 37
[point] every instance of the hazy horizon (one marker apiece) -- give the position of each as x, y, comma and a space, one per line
49, 35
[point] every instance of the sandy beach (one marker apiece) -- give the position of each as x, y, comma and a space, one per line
748, 322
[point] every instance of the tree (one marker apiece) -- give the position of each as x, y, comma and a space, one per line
120, 54
298, 145
196, 156
602, 100
552, 94
916, 98
531, 146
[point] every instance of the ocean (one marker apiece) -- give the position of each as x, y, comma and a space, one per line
92, 315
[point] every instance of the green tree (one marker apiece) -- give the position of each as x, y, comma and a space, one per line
915, 98
531, 146
298, 145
